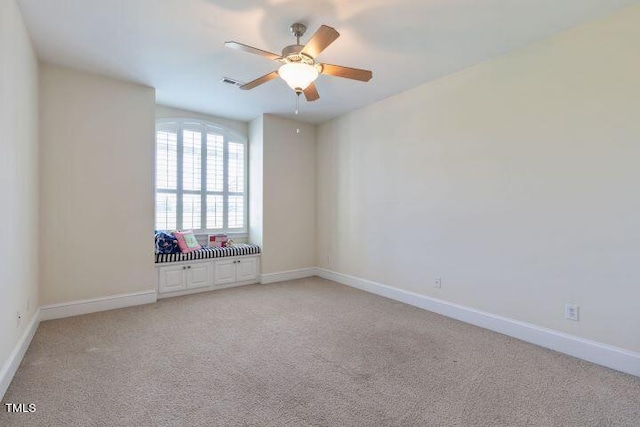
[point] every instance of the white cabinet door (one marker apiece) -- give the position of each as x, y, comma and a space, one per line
198, 275
225, 272
247, 269
171, 279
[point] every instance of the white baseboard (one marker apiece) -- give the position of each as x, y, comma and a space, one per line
282, 276
76, 308
205, 289
15, 358
592, 351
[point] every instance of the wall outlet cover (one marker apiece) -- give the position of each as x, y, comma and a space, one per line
571, 312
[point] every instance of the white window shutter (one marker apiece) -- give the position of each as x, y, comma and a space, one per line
200, 178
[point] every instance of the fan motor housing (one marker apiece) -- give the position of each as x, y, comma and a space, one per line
294, 49
293, 54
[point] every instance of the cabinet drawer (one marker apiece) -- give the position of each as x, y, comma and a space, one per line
225, 272
247, 269
171, 279
198, 275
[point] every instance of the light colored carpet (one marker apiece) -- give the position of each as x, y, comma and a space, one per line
303, 353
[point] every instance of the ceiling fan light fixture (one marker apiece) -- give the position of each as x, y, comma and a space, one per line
298, 75
299, 68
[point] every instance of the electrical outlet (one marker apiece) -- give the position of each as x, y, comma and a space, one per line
438, 283
571, 312
19, 318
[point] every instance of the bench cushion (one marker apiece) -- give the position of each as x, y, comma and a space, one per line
206, 252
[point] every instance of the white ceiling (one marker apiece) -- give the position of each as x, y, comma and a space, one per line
176, 46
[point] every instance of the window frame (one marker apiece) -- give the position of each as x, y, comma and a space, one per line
179, 124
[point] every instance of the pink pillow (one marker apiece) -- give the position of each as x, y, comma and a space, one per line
186, 241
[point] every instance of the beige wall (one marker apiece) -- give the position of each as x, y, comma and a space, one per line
285, 203
18, 178
256, 172
97, 150
166, 112
516, 181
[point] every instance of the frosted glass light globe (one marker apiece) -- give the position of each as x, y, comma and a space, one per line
297, 75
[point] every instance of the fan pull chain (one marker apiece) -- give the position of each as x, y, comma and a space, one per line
297, 102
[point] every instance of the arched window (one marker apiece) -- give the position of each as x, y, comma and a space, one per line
201, 177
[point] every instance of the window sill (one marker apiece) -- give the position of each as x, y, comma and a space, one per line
239, 235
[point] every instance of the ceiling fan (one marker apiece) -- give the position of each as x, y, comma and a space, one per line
299, 68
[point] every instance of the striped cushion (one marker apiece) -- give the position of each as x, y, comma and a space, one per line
208, 252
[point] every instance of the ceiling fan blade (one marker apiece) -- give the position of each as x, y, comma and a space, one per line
346, 72
320, 41
259, 81
254, 50
311, 93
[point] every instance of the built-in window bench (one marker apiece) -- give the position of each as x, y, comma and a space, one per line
207, 269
